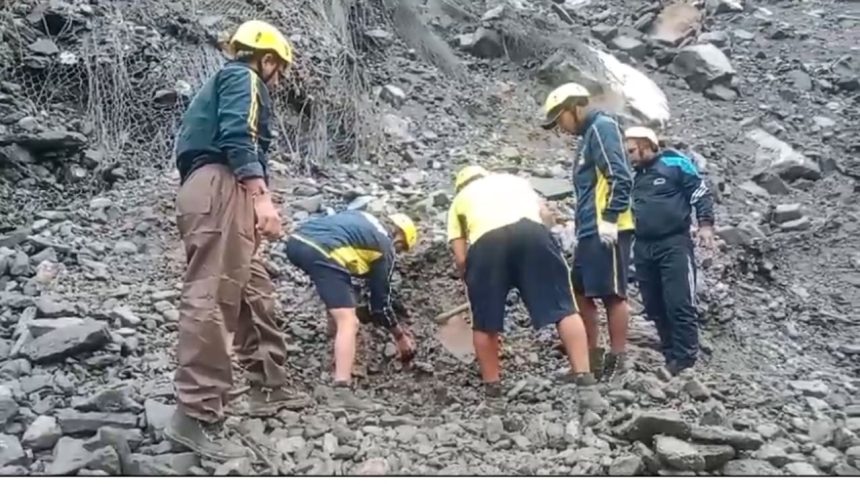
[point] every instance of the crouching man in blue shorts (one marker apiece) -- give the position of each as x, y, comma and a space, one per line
332, 250
500, 242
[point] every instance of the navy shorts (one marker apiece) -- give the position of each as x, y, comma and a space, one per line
600, 270
522, 255
333, 282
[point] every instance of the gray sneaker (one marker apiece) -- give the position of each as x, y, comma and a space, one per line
205, 439
342, 397
266, 402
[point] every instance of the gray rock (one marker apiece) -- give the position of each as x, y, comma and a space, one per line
44, 46
853, 424
697, 389
720, 435
800, 79
714, 414
552, 188
749, 467
802, 223
74, 422
164, 464
780, 158
8, 405
718, 38
844, 438
678, 454
52, 140
801, 469
485, 43
235, 467
19, 264
392, 95
126, 316
48, 307
70, 455
629, 465
821, 431
107, 460
825, 457
291, 445
843, 469
372, 467
39, 327
68, 341
126, 247
772, 184
645, 425
786, 212
9, 471
604, 32
724, 6
774, 454
702, 66
633, 47
810, 388
770, 430
310, 204
43, 433
11, 452
158, 414
715, 455
108, 400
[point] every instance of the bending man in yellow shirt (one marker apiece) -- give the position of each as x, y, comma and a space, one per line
499, 242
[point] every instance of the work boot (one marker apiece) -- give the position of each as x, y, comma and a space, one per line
675, 367
595, 361
614, 363
266, 402
342, 397
204, 439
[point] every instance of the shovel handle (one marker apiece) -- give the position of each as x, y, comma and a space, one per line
452, 312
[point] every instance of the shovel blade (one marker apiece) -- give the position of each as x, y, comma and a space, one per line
455, 334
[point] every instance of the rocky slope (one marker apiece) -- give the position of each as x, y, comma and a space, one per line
765, 94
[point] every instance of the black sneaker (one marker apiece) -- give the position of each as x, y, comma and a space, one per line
204, 439
595, 361
675, 367
266, 402
614, 362
493, 389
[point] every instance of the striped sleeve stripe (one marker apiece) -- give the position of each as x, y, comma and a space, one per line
254, 110
699, 193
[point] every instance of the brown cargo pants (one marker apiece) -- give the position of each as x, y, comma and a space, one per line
227, 296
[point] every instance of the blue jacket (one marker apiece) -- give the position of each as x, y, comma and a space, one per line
357, 242
665, 191
601, 177
228, 123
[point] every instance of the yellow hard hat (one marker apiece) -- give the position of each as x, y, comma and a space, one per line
259, 35
641, 132
466, 174
408, 227
557, 98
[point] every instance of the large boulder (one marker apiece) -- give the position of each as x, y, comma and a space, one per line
619, 85
778, 157
702, 66
66, 341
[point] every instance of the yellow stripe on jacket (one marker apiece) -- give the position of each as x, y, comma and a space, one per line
602, 194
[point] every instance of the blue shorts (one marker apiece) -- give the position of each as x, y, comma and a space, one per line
332, 281
521, 255
600, 270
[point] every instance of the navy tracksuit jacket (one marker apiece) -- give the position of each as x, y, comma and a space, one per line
665, 192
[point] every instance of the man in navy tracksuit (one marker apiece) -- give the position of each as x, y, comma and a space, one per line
666, 188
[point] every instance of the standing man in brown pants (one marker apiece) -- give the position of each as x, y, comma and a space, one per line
224, 209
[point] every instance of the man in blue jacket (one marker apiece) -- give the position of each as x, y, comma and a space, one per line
666, 189
604, 220
224, 209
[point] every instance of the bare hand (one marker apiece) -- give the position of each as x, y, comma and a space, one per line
268, 219
405, 343
706, 236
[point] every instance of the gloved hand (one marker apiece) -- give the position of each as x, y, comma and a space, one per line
608, 232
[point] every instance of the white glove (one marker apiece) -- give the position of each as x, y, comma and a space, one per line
608, 232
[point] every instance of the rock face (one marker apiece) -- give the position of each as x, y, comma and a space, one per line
703, 66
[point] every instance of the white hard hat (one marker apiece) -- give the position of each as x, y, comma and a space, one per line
641, 132
557, 98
